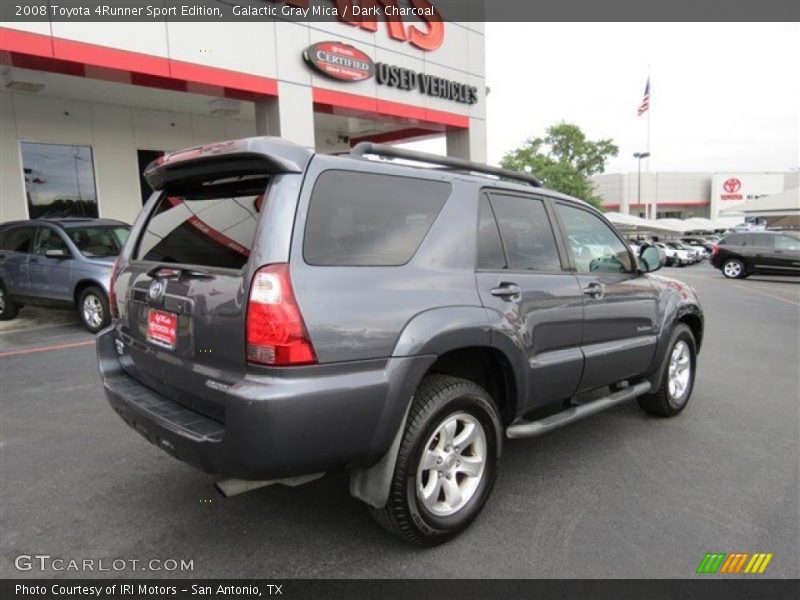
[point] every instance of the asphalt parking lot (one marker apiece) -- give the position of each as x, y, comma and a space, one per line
616, 496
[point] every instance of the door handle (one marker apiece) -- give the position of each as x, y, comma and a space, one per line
506, 290
594, 290
34, 259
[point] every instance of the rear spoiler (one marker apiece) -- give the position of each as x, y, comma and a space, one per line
249, 156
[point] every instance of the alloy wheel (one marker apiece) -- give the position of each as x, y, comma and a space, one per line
680, 370
92, 311
733, 269
452, 464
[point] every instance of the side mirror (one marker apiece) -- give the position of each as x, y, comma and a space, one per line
56, 253
650, 259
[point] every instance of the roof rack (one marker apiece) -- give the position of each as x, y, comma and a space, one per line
361, 149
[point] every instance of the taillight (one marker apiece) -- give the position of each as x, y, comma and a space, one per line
276, 333
715, 249
112, 289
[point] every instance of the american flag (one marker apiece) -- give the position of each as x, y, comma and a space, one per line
645, 105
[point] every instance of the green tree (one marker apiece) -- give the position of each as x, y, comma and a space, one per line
564, 160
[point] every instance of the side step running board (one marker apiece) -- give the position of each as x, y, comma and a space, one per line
526, 429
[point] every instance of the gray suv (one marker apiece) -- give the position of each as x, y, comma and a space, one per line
59, 263
280, 313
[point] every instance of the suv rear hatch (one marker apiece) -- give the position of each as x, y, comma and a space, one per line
185, 284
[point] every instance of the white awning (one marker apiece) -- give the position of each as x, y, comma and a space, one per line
631, 224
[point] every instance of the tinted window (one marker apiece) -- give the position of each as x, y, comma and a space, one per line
48, 239
490, 248
363, 219
17, 239
594, 244
786, 242
732, 240
59, 180
526, 232
762, 239
98, 241
210, 225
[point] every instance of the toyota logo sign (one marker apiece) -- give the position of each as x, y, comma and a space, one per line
732, 185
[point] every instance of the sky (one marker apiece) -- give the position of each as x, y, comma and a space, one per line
724, 96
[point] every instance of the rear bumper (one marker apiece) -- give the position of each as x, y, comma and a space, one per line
314, 419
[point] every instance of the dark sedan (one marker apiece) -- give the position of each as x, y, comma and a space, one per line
740, 255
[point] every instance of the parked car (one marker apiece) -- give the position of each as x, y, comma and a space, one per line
670, 254
59, 263
703, 246
683, 254
279, 314
740, 255
693, 254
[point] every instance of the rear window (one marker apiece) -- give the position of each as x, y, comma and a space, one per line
364, 219
95, 242
17, 239
212, 225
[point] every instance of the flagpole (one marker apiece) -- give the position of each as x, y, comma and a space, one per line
647, 167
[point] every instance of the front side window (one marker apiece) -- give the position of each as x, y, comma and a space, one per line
526, 232
786, 242
59, 180
48, 239
95, 242
17, 239
206, 225
595, 246
368, 220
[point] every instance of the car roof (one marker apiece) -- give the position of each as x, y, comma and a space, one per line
276, 155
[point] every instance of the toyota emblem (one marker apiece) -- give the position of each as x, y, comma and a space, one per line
156, 291
732, 185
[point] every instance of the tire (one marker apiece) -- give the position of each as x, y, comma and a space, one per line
669, 400
8, 309
93, 309
733, 268
438, 402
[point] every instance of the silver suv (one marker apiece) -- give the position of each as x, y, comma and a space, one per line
59, 263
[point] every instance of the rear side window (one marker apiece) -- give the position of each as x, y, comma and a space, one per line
98, 241
733, 240
526, 232
365, 219
206, 225
763, 239
17, 239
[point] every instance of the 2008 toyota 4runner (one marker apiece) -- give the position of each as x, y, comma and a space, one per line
279, 313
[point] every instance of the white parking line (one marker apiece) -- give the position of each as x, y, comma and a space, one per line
763, 293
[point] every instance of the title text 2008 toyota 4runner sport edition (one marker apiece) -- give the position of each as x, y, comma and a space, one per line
279, 313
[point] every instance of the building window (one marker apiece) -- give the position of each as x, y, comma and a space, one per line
59, 180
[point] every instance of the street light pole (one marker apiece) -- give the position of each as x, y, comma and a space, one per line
639, 156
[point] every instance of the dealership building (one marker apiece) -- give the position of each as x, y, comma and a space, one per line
84, 107
685, 195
